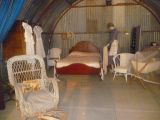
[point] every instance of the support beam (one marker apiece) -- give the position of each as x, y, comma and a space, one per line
70, 1
119, 4
44, 11
104, 32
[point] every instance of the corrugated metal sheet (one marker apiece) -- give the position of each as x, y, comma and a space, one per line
90, 24
154, 5
47, 12
49, 19
26, 5
148, 37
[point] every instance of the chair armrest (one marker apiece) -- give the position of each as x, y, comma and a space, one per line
19, 93
21, 101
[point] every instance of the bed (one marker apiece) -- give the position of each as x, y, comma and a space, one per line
83, 59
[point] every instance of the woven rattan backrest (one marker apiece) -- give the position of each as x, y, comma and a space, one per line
125, 59
25, 68
55, 53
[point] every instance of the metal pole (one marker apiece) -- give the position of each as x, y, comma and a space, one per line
2, 104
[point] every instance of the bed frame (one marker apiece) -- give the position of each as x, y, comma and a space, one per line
77, 68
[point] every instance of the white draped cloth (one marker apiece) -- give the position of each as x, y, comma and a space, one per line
105, 58
114, 48
39, 43
28, 39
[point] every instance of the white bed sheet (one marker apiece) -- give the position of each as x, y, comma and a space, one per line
89, 59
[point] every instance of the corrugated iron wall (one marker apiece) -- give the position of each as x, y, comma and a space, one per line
89, 23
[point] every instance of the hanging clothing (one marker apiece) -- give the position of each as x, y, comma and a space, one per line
105, 58
113, 45
39, 43
9, 11
114, 48
113, 36
28, 39
113, 51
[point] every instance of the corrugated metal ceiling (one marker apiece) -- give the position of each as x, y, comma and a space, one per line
48, 12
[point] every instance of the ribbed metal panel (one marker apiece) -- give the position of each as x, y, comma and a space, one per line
90, 23
26, 5
47, 12
148, 37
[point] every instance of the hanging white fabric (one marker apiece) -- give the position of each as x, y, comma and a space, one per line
39, 43
114, 48
105, 58
28, 35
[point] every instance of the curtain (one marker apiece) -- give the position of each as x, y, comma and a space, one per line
9, 10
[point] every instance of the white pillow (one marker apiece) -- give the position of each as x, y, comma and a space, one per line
76, 53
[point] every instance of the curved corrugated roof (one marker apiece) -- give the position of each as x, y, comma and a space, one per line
48, 12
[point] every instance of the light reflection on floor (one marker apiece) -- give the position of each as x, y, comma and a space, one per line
89, 98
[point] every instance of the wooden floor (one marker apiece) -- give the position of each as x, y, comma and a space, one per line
89, 98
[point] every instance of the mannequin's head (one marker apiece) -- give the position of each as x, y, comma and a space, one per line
110, 26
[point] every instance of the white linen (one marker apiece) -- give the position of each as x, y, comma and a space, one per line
39, 44
146, 67
28, 39
105, 58
40, 100
76, 53
114, 48
89, 59
147, 61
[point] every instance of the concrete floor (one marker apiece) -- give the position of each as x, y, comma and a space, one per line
89, 98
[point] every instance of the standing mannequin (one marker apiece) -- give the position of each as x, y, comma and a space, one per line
113, 42
39, 42
28, 35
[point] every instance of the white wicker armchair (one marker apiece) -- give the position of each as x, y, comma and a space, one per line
31, 68
122, 64
54, 55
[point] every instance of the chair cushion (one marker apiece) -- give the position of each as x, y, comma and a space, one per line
120, 69
40, 101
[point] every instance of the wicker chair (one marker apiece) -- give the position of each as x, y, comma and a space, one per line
54, 55
122, 64
25, 68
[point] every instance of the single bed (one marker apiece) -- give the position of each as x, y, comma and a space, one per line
83, 59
